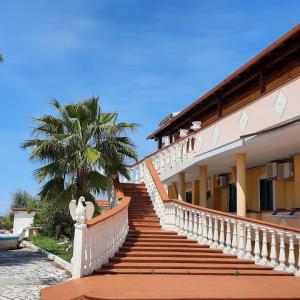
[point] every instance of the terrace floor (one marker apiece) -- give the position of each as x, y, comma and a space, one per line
176, 287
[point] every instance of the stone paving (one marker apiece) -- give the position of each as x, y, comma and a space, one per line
24, 272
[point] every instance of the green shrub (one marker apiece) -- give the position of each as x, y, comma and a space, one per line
53, 246
54, 219
6, 222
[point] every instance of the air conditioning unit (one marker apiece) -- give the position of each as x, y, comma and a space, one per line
285, 170
271, 170
222, 181
208, 187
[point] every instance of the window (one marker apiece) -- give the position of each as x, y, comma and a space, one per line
232, 197
188, 196
266, 194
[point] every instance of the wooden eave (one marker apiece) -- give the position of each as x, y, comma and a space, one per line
287, 45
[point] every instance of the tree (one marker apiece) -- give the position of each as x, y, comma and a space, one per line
1, 57
54, 219
81, 149
22, 199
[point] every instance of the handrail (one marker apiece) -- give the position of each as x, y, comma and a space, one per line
264, 242
101, 237
229, 215
121, 206
165, 197
163, 194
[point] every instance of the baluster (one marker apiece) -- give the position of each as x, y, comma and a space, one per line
200, 228
273, 252
177, 218
190, 228
241, 243
256, 245
222, 235
228, 236
173, 216
281, 266
291, 258
234, 238
210, 230
195, 229
298, 272
216, 233
248, 243
264, 248
204, 228
186, 222
181, 231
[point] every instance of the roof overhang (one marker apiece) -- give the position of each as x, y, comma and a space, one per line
240, 72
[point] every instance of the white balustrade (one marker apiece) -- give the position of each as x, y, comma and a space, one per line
264, 243
96, 242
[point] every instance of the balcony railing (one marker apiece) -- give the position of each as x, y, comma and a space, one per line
273, 108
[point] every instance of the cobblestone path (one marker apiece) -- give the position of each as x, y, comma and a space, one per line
24, 272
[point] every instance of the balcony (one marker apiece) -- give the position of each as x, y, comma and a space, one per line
242, 130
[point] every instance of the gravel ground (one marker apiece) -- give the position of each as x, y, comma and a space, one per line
24, 272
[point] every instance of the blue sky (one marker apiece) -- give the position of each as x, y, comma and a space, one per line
143, 58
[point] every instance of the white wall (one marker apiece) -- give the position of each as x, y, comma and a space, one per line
22, 219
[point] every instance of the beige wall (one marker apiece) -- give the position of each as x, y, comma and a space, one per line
284, 191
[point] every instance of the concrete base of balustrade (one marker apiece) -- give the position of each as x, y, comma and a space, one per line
175, 287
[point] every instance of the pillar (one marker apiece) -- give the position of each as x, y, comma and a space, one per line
241, 184
233, 174
203, 185
78, 250
195, 192
172, 191
181, 186
296, 202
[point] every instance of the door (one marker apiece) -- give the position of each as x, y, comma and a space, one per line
188, 196
266, 194
232, 197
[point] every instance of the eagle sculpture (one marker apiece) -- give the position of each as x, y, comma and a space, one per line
81, 212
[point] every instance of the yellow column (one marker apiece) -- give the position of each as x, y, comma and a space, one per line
195, 192
174, 188
296, 202
241, 184
203, 185
233, 174
181, 186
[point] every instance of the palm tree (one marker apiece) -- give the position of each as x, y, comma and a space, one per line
81, 149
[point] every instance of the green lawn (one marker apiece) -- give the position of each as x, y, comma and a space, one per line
52, 245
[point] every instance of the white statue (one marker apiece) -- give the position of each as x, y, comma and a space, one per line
79, 212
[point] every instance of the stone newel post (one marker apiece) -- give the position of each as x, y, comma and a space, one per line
78, 250
81, 212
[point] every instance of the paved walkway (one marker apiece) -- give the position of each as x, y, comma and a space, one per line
24, 272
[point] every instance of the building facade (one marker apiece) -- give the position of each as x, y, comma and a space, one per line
237, 148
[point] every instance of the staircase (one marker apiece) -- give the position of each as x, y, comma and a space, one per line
150, 250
